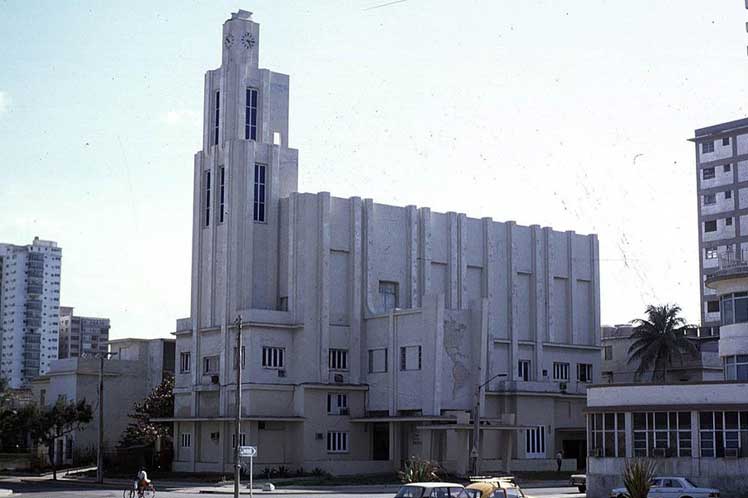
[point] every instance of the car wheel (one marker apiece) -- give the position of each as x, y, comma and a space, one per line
582, 489
620, 496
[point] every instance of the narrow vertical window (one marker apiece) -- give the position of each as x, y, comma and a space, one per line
250, 116
222, 195
259, 204
216, 118
207, 198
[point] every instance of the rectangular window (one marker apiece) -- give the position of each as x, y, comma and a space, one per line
206, 197
560, 371
584, 372
337, 403
185, 362
272, 357
244, 357
210, 364
410, 358
259, 204
186, 439
712, 306
535, 442
726, 168
710, 199
707, 173
726, 141
728, 222
222, 194
216, 117
337, 442
250, 116
607, 435
338, 359
728, 194
662, 434
388, 295
607, 352
710, 226
242, 439
377, 360
710, 253
523, 370
707, 147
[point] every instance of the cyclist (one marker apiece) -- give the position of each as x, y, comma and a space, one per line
142, 482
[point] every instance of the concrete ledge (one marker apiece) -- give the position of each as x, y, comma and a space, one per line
5, 492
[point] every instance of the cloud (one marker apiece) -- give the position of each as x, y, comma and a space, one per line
4, 102
180, 117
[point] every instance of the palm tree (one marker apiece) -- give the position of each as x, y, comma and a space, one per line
659, 339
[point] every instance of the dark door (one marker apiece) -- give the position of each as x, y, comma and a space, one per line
380, 441
576, 448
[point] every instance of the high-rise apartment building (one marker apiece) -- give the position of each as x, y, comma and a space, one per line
722, 186
81, 334
367, 328
29, 309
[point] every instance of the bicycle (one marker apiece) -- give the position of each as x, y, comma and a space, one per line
147, 492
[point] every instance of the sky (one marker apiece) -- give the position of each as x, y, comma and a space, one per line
570, 114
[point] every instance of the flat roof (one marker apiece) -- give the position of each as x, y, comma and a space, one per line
720, 128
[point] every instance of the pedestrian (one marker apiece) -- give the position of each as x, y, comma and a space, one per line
559, 460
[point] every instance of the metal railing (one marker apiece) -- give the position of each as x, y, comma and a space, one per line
734, 260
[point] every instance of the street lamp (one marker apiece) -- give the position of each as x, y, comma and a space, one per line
476, 424
237, 470
100, 442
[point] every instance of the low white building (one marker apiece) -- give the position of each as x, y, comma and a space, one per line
697, 430
367, 327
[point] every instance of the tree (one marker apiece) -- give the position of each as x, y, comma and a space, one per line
13, 420
659, 339
48, 424
143, 432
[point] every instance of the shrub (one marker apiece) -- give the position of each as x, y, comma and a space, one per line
637, 477
283, 471
419, 470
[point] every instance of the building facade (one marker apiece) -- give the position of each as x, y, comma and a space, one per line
697, 430
129, 376
367, 328
81, 335
722, 191
616, 368
29, 309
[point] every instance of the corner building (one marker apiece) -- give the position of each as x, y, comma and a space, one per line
367, 327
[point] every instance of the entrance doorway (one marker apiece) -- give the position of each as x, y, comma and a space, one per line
380, 441
576, 448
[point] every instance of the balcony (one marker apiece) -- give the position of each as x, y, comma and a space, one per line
732, 264
544, 386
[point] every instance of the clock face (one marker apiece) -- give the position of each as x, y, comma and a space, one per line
248, 40
228, 41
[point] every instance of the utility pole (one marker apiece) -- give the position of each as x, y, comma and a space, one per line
475, 453
238, 421
100, 442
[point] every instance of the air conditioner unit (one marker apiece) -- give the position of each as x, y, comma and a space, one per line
343, 411
281, 373
261, 425
214, 379
732, 452
214, 436
319, 436
562, 386
659, 452
338, 378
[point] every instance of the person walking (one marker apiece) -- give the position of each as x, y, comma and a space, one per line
559, 460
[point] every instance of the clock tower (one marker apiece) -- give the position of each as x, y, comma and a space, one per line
243, 170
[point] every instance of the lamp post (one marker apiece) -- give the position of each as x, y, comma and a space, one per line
476, 424
100, 442
237, 471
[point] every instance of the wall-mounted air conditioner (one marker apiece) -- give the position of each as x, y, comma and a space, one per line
281, 373
214, 379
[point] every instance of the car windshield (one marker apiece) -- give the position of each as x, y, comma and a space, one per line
410, 492
514, 493
689, 483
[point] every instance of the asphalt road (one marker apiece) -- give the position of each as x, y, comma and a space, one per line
69, 490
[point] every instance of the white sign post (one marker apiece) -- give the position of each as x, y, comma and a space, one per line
249, 452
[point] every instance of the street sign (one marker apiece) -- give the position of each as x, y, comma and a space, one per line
247, 451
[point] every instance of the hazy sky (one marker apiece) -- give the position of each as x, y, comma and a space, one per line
572, 114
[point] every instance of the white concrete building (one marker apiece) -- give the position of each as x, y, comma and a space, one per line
129, 376
367, 327
697, 430
29, 309
80, 335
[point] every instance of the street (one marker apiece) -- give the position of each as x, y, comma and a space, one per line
70, 490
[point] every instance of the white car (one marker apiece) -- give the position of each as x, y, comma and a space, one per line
672, 487
432, 490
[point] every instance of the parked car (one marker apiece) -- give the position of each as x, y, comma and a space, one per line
494, 487
579, 481
672, 487
432, 490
